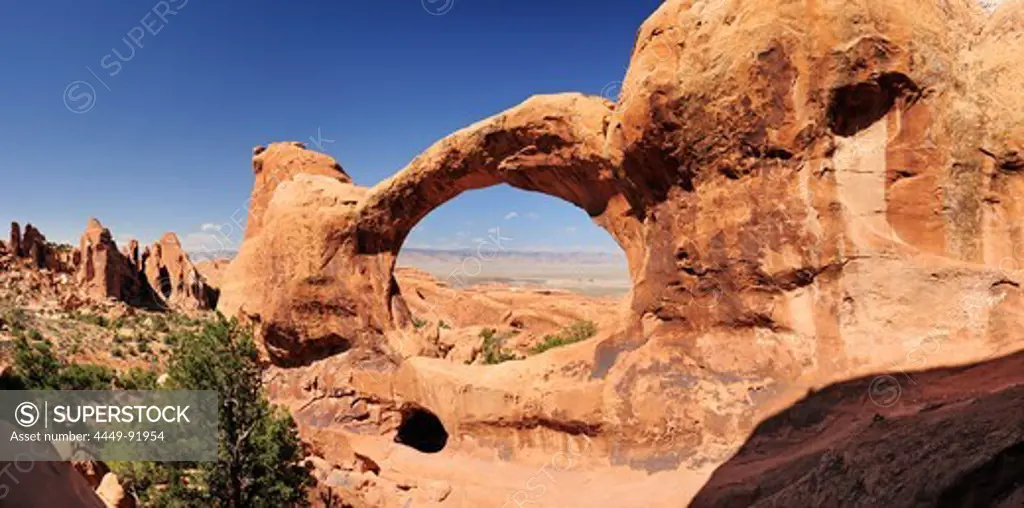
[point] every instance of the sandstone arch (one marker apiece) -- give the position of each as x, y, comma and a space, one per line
805, 191
554, 145
338, 290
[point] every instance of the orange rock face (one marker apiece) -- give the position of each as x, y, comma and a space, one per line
104, 272
15, 242
173, 278
213, 270
806, 193
162, 277
33, 247
277, 163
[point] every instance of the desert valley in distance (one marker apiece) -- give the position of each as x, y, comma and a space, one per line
588, 273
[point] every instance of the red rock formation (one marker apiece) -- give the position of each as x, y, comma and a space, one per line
173, 277
34, 247
277, 163
104, 271
39, 253
213, 271
806, 194
15, 243
132, 251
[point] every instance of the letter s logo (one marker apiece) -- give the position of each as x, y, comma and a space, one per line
26, 414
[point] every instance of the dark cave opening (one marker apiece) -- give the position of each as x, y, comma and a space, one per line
422, 430
855, 107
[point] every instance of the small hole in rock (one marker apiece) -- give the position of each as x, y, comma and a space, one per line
422, 430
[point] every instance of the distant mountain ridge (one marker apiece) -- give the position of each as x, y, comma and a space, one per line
418, 255
211, 255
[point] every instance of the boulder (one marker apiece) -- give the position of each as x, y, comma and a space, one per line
112, 494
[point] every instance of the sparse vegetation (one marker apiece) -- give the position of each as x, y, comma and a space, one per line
493, 347
159, 324
37, 367
576, 332
93, 319
60, 247
15, 319
418, 323
444, 326
260, 454
138, 379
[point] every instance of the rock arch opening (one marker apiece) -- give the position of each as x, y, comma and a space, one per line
501, 274
553, 145
501, 235
421, 430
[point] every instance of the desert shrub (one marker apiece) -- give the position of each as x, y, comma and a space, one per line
444, 326
84, 376
16, 319
137, 379
261, 459
37, 367
159, 324
493, 347
93, 319
418, 323
576, 332
60, 247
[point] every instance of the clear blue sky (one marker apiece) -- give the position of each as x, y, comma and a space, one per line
164, 144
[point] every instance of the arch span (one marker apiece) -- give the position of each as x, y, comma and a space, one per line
552, 144
316, 270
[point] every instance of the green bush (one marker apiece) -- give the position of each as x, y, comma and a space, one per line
576, 332
160, 324
137, 379
83, 376
15, 318
493, 347
93, 319
418, 323
261, 459
36, 367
